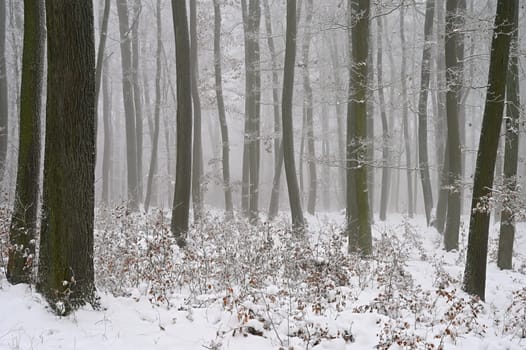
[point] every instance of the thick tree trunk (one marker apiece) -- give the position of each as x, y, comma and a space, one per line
475, 270
298, 222
361, 239
422, 110
197, 156
181, 203
157, 110
25, 213
66, 273
405, 122
129, 108
384, 193
453, 136
229, 207
511, 152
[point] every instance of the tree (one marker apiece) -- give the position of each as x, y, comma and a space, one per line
157, 111
25, 213
65, 273
298, 222
278, 150
358, 218
405, 121
229, 207
422, 110
511, 151
181, 204
308, 110
384, 193
4, 101
137, 101
475, 269
453, 135
197, 168
129, 106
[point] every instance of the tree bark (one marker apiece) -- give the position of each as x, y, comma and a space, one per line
384, 193
137, 101
66, 273
422, 110
453, 136
298, 222
197, 156
229, 207
4, 100
405, 122
157, 110
181, 203
475, 269
361, 239
511, 151
107, 148
25, 209
129, 107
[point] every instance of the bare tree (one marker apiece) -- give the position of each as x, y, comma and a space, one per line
476, 258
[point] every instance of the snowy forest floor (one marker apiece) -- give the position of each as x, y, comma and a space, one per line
243, 287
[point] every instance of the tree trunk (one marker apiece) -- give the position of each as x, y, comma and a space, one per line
511, 152
361, 239
475, 270
308, 107
137, 101
4, 101
129, 108
405, 122
422, 110
66, 273
181, 205
106, 111
157, 111
197, 155
453, 136
102, 47
384, 195
298, 222
229, 207
25, 213
278, 151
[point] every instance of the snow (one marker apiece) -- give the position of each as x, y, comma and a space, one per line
413, 296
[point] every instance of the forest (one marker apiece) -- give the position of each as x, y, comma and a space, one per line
262, 174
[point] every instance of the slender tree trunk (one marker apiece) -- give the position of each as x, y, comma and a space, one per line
129, 108
181, 205
298, 222
422, 110
361, 239
511, 153
229, 207
453, 137
405, 122
475, 270
278, 151
308, 107
339, 117
157, 111
66, 272
107, 148
4, 101
102, 47
197, 170
137, 101
25, 213
384, 195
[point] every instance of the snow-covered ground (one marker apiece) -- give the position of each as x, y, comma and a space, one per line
243, 289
